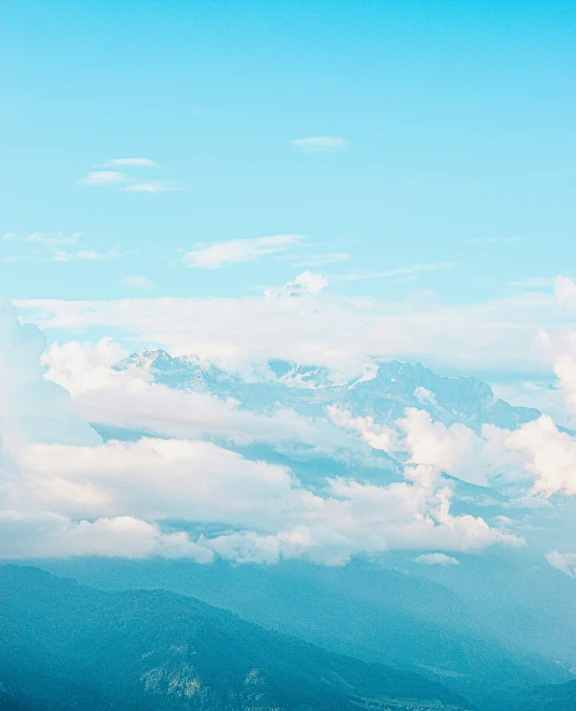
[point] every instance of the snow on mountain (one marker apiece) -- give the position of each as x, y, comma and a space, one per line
383, 392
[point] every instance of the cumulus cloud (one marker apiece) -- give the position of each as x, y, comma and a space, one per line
565, 290
551, 456
565, 562
82, 367
219, 254
200, 482
41, 535
317, 144
437, 559
565, 370
376, 436
32, 409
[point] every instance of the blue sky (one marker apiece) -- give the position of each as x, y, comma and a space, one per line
455, 118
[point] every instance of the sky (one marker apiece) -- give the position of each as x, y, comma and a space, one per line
397, 147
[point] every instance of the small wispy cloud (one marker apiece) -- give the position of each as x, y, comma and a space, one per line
318, 260
410, 271
51, 247
314, 144
51, 239
89, 255
494, 240
151, 186
139, 282
534, 283
103, 177
217, 255
125, 181
9, 236
135, 162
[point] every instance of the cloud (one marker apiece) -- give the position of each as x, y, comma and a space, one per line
437, 559
202, 483
31, 409
55, 247
494, 240
65, 492
152, 186
133, 162
565, 562
52, 239
501, 334
219, 254
319, 260
565, 371
565, 290
126, 182
88, 255
104, 177
82, 367
316, 144
376, 436
551, 456
410, 271
139, 282
50, 535
9, 236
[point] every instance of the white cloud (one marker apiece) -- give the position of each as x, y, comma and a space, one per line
311, 281
315, 144
55, 247
410, 271
500, 334
50, 535
52, 239
163, 480
219, 254
551, 456
437, 559
565, 290
31, 409
152, 186
9, 236
565, 370
82, 367
319, 260
494, 240
126, 182
376, 436
425, 396
134, 162
88, 255
67, 493
104, 177
139, 282
565, 562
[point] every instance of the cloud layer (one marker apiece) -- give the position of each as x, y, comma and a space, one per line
65, 492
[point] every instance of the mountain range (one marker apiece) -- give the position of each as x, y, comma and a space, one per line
64, 646
383, 391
